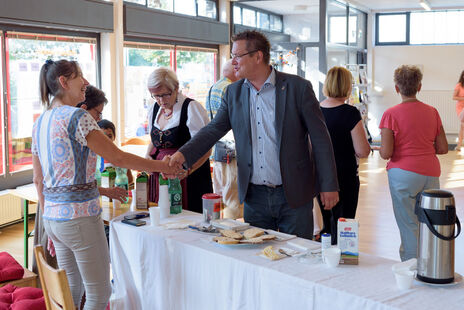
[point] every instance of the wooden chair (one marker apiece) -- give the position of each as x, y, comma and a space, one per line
137, 141
55, 284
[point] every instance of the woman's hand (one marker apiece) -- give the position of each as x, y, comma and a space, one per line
51, 247
168, 171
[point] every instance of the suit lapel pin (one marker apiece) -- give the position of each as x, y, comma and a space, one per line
283, 87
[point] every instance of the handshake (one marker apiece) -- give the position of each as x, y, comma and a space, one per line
172, 166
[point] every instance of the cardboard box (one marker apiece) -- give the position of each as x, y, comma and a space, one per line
348, 241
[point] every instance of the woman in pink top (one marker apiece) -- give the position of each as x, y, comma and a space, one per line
459, 96
412, 135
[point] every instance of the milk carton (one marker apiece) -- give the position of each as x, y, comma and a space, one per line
141, 191
348, 240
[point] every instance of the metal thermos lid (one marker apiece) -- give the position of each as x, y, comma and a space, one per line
437, 193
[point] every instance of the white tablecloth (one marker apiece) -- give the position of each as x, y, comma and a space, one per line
157, 268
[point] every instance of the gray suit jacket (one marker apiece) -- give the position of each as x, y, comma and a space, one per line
307, 165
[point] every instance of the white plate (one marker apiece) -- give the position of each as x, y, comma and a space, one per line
279, 235
240, 245
457, 280
230, 224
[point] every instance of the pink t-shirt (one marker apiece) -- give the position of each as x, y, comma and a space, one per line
415, 126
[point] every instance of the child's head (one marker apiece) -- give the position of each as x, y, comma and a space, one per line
108, 128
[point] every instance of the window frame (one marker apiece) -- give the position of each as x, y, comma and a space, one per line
377, 29
174, 9
256, 10
11, 179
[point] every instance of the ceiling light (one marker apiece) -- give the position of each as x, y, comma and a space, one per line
425, 4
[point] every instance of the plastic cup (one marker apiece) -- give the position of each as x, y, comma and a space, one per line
331, 257
116, 204
154, 216
404, 278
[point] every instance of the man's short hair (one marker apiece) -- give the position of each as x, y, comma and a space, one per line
408, 79
255, 41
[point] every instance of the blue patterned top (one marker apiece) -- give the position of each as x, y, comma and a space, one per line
68, 165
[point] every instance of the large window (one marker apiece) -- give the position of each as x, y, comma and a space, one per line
25, 54
195, 68
442, 27
202, 8
392, 28
257, 18
434, 27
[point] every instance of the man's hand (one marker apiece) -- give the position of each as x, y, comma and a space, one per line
329, 199
116, 193
51, 247
177, 159
170, 171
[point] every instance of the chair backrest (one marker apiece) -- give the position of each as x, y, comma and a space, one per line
55, 284
137, 141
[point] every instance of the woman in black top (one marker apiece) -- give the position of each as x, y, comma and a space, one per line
349, 142
173, 120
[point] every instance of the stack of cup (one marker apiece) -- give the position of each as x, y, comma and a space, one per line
163, 201
154, 216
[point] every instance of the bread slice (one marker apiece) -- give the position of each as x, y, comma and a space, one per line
267, 237
253, 233
231, 234
252, 240
225, 240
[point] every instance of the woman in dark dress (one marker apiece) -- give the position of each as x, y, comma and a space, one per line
172, 121
349, 143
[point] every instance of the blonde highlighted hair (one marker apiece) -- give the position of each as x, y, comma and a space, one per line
163, 77
407, 78
338, 83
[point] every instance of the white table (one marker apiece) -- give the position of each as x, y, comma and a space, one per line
157, 268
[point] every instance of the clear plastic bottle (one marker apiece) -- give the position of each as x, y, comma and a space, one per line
98, 175
175, 192
122, 180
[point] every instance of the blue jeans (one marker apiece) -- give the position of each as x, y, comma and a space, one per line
405, 187
267, 208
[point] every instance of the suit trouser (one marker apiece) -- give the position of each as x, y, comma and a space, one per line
405, 187
267, 208
82, 251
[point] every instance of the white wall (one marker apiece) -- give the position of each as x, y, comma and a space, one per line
441, 66
302, 27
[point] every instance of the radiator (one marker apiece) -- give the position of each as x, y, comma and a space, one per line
11, 208
443, 101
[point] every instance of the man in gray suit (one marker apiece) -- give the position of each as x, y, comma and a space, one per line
284, 153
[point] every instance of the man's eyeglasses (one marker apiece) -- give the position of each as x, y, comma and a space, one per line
232, 55
163, 96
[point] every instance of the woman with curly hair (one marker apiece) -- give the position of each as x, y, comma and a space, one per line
412, 135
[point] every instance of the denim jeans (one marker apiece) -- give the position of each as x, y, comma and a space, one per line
405, 186
267, 208
82, 251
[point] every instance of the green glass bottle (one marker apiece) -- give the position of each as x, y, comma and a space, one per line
175, 192
122, 180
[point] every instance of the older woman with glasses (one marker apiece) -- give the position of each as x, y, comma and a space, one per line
172, 121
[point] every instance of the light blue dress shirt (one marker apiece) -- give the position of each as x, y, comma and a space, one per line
265, 151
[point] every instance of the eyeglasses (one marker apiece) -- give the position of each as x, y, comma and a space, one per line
232, 55
99, 113
163, 96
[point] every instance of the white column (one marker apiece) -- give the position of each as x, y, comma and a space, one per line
112, 70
